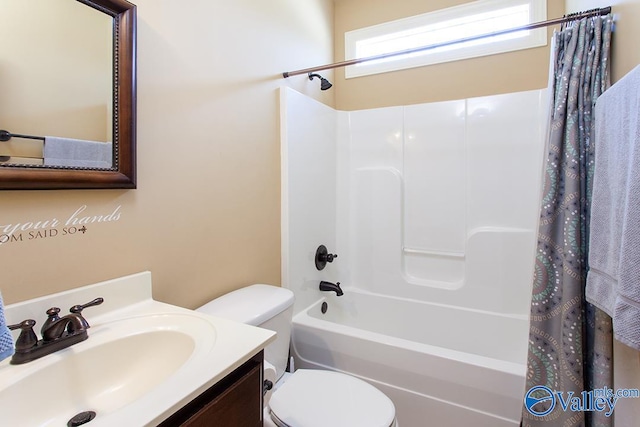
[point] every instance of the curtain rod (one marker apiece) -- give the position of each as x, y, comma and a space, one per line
566, 18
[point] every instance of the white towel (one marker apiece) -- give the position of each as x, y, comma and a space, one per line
613, 281
7, 347
77, 153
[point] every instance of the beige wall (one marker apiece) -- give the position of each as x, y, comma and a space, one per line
205, 218
515, 71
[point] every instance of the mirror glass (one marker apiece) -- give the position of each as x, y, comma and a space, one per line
68, 94
56, 81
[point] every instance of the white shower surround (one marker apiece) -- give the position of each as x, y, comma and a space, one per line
431, 208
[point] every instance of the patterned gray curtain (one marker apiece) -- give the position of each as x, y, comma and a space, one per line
570, 341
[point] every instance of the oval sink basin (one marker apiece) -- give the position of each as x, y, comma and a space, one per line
120, 362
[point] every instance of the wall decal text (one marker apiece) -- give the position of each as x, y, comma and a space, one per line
54, 227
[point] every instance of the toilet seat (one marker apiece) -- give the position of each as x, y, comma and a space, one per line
315, 398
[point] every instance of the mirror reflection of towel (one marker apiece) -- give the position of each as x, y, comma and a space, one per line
77, 153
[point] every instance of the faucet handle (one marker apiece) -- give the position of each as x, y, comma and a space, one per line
77, 309
323, 257
27, 338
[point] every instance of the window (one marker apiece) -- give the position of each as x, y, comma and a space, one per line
446, 25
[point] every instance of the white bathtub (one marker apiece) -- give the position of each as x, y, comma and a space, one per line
466, 370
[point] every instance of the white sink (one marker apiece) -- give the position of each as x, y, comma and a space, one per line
118, 364
140, 364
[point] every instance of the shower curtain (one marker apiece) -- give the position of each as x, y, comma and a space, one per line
570, 341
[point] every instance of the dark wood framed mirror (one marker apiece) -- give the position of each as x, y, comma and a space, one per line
122, 173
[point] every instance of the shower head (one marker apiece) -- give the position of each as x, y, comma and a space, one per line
324, 83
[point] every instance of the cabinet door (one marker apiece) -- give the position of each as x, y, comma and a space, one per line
239, 406
235, 401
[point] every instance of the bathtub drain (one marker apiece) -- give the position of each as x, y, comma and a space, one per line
324, 307
81, 418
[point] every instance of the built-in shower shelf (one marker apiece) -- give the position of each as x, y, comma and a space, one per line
431, 252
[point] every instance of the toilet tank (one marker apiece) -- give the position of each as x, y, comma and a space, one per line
266, 306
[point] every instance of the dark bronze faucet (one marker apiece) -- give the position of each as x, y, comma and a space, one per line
332, 287
57, 333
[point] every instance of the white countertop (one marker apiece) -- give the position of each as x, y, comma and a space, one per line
130, 298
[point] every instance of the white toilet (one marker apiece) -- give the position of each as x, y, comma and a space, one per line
307, 397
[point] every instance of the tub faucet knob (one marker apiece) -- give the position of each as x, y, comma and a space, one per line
323, 257
330, 257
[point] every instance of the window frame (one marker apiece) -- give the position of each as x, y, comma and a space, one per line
534, 38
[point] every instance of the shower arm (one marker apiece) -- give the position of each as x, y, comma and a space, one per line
566, 18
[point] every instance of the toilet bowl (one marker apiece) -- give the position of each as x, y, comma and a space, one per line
315, 398
306, 397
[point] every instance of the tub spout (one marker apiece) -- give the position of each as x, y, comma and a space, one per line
332, 287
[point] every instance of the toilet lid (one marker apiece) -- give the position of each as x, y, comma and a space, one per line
314, 398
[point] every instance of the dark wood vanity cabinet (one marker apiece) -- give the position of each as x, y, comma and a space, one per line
235, 401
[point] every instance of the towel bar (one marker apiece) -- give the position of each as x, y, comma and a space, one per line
6, 136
